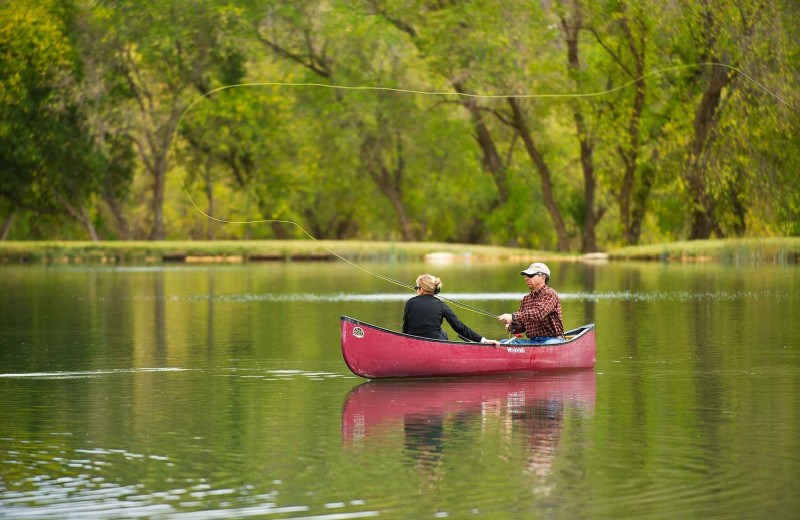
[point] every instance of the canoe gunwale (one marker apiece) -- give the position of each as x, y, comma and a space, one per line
577, 333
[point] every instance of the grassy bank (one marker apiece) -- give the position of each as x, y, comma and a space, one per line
780, 250
733, 250
252, 251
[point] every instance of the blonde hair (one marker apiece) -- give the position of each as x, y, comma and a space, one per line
429, 283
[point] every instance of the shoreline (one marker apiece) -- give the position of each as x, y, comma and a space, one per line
782, 250
232, 252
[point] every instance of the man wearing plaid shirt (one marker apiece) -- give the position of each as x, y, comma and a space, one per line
539, 315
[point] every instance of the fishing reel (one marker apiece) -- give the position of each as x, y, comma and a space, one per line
514, 327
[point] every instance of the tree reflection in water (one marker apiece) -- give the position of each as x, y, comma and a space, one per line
424, 436
432, 411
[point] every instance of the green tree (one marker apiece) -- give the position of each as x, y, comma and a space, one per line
732, 121
163, 54
495, 47
377, 129
51, 162
623, 30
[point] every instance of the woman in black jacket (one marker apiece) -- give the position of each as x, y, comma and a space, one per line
424, 313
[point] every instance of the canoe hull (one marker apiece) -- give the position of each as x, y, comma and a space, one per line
374, 353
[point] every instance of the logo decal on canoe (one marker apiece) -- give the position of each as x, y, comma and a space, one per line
519, 350
358, 332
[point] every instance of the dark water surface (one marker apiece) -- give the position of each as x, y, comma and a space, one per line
220, 392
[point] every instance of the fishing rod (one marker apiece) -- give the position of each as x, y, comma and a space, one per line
467, 307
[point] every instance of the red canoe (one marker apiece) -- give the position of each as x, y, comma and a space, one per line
376, 353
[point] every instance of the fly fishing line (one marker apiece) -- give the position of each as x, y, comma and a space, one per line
278, 84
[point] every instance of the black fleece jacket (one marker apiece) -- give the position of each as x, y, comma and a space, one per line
423, 317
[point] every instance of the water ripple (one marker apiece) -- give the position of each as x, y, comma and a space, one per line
89, 373
679, 296
84, 497
265, 374
280, 374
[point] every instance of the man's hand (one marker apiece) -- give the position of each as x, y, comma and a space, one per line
506, 318
492, 342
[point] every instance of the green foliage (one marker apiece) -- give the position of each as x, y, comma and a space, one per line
50, 160
90, 94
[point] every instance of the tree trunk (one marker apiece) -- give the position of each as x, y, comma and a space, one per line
588, 237
156, 160
571, 31
492, 162
210, 235
738, 205
388, 181
702, 212
116, 210
406, 229
629, 151
630, 158
157, 203
81, 214
639, 200
279, 229
702, 223
248, 229
7, 224
87, 221
544, 172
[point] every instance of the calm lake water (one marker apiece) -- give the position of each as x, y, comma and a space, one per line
220, 392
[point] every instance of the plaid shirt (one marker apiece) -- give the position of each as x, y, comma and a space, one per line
539, 314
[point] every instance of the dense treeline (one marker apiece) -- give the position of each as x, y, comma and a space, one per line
692, 133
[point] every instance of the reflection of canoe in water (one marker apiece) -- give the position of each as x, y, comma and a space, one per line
373, 352
376, 404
